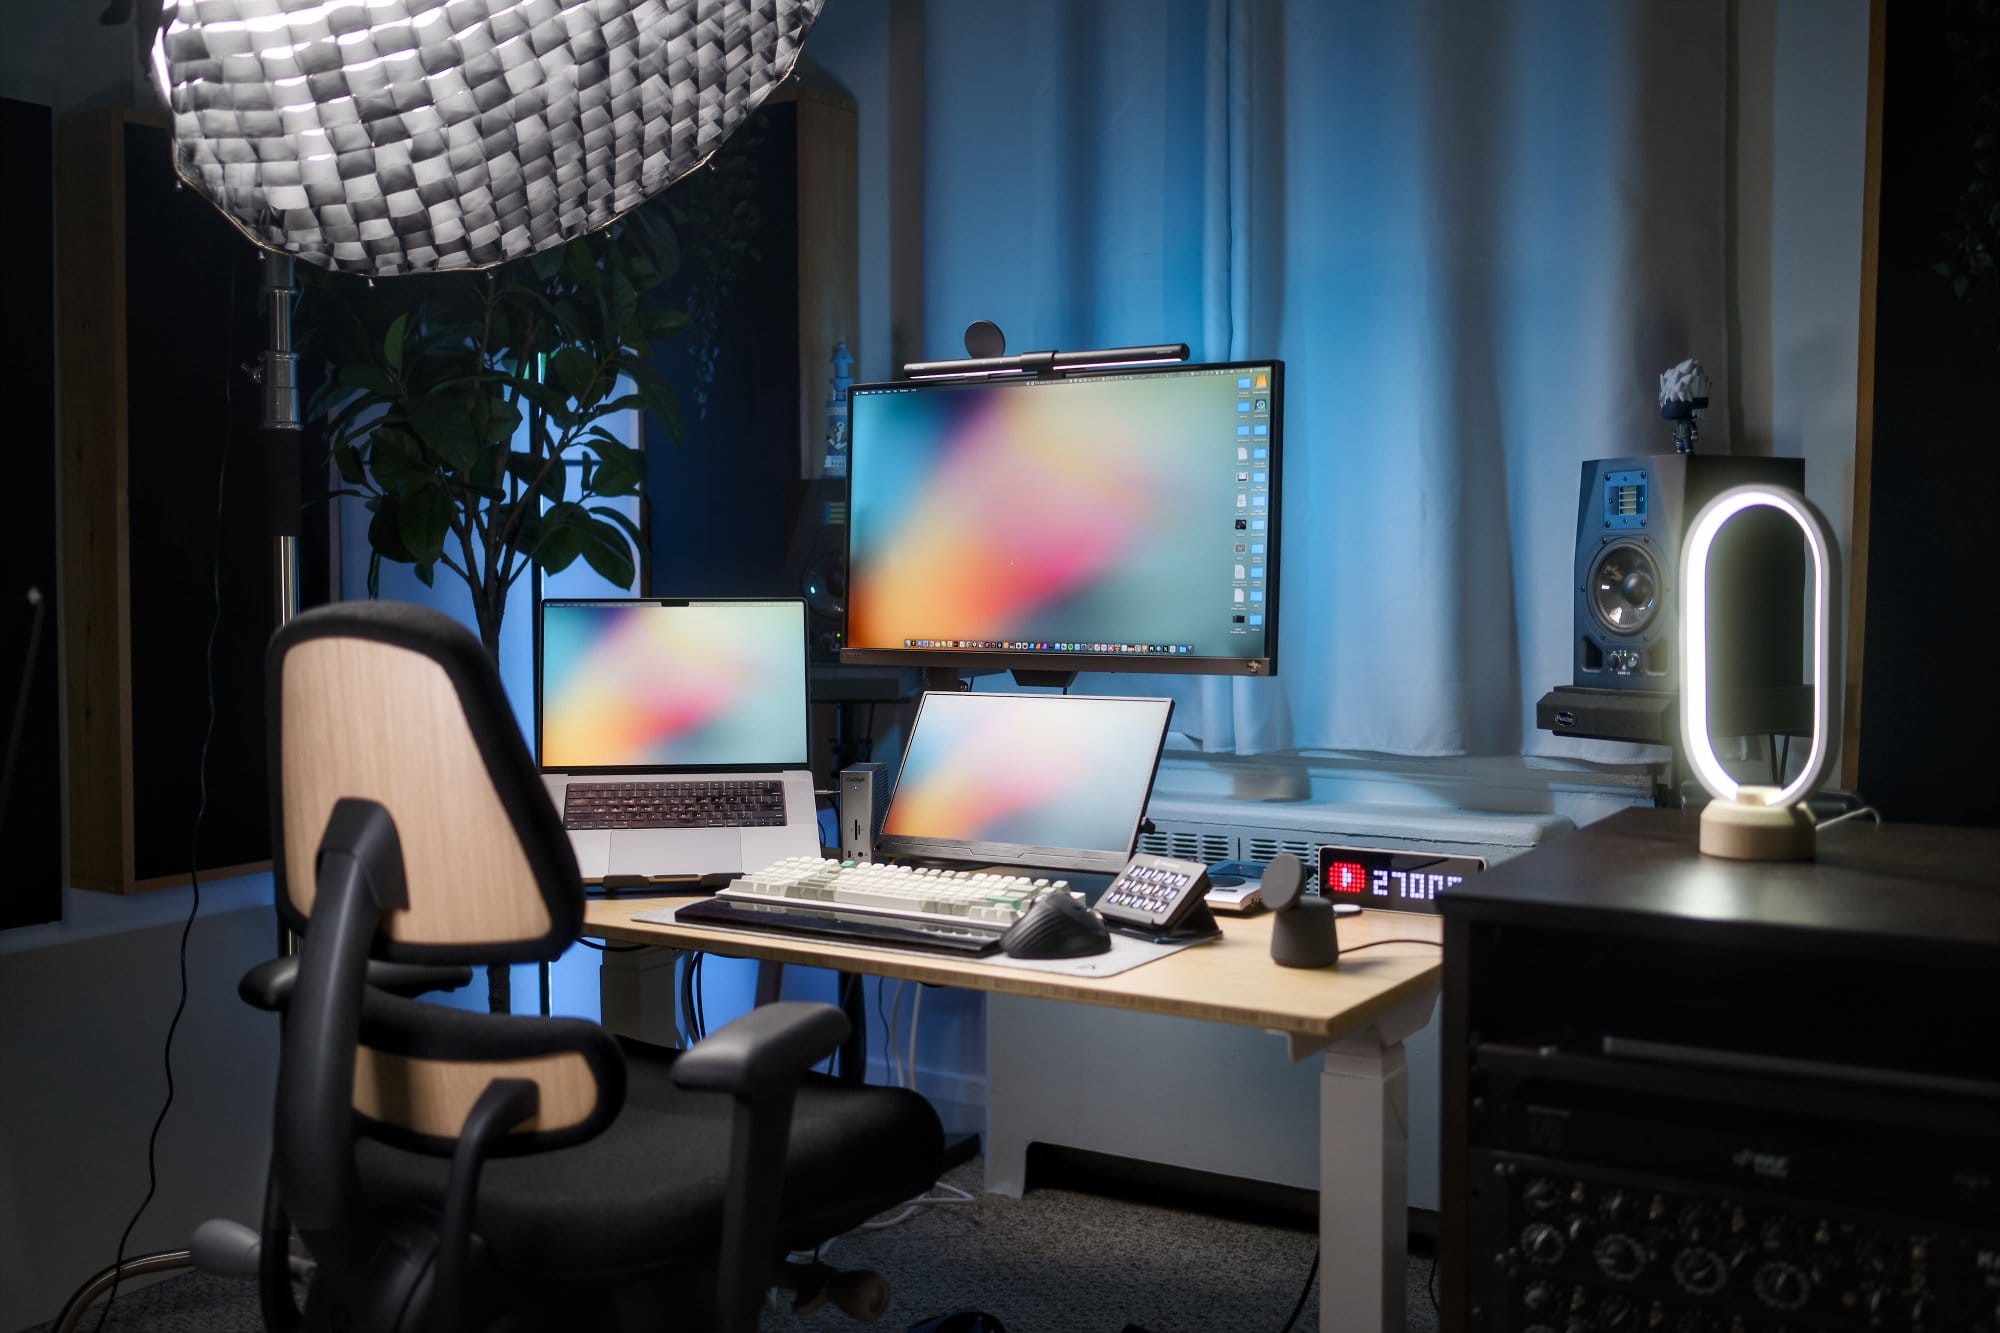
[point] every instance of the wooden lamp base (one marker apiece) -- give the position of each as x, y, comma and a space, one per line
1747, 829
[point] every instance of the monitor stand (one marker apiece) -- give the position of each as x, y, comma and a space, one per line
951, 679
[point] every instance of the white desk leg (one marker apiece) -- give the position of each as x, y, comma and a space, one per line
1364, 1151
1363, 1162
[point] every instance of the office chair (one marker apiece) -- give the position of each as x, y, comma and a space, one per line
448, 1169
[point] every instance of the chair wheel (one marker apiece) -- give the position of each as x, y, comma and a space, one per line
860, 1293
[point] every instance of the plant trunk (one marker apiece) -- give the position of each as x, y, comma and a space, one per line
487, 610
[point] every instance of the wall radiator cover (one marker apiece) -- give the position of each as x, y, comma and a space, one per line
1218, 829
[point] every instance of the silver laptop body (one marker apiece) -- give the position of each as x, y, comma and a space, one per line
635, 692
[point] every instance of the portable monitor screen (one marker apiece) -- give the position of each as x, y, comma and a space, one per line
1121, 521
662, 684
1026, 779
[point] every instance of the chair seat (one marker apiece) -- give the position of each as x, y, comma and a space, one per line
647, 1192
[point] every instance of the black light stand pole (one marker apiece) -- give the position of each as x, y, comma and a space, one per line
279, 431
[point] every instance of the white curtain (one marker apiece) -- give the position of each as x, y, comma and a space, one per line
1474, 232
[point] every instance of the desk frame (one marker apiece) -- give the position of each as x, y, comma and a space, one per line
1355, 1018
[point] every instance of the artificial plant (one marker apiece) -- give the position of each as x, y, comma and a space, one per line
454, 405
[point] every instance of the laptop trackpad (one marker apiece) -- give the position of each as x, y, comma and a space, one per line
679, 851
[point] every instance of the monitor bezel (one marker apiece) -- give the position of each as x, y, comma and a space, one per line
805, 692
912, 847
981, 660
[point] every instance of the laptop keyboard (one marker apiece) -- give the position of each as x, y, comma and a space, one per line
729, 803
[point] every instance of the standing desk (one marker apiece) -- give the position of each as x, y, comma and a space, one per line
1354, 1018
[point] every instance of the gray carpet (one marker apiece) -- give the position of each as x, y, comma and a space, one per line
1057, 1261
1061, 1261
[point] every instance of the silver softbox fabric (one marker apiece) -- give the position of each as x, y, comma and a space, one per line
407, 136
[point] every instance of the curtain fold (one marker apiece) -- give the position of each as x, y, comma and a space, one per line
1474, 233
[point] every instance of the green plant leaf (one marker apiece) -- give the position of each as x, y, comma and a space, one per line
395, 460
656, 393
575, 370
655, 324
619, 470
545, 396
392, 345
385, 535
348, 461
547, 263
579, 265
526, 468
446, 430
372, 378
606, 551
422, 520
426, 573
622, 520
503, 420
374, 574
557, 542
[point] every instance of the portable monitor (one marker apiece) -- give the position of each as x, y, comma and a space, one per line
1041, 780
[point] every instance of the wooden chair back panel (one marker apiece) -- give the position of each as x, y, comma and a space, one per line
371, 720
433, 1097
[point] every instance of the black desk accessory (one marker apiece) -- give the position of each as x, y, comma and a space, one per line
1057, 926
1302, 930
1161, 899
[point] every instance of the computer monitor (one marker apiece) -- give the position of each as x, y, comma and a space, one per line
1044, 780
1108, 521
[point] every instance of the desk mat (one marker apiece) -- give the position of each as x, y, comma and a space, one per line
1126, 952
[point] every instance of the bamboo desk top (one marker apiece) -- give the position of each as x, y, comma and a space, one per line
1231, 980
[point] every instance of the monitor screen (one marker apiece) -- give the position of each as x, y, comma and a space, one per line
641, 685
1117, 520
1026, 779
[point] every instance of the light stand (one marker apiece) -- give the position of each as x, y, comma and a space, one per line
279, 429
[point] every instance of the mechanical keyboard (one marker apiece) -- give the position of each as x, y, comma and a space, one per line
979, 902
699, 803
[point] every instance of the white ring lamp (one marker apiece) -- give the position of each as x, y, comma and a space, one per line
1756, 823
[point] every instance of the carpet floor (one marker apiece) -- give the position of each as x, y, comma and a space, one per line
1056, 1261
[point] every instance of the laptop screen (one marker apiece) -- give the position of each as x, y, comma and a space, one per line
1026, 779
633, 685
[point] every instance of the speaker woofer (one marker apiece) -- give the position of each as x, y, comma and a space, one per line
1624, 588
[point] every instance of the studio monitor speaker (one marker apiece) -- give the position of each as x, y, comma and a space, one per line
1631, 516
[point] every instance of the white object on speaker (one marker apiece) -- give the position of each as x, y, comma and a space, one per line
864, 800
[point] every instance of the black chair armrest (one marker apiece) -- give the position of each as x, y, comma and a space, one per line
759, 1061
268, 986
769, 1047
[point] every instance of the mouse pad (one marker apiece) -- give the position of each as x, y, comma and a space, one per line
1126, 952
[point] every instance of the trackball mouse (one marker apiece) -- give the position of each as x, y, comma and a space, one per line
1056, 926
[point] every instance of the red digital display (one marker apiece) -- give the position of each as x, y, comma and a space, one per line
1396, 881
1345, 877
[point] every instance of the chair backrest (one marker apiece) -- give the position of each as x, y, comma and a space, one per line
399, 705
